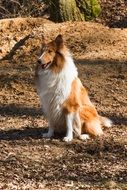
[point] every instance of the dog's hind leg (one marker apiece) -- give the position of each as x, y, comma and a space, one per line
77, 127
91, 121
93, 128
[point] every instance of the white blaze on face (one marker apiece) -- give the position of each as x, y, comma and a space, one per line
41, 57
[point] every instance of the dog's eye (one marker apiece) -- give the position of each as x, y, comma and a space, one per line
49, 51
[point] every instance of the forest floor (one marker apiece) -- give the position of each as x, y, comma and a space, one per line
27, 161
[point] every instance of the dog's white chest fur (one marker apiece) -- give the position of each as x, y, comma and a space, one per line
54, 89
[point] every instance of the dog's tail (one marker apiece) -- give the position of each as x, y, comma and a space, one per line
106, 122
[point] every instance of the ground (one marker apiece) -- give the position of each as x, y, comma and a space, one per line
27, 161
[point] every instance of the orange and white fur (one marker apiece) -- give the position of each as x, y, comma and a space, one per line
64, 99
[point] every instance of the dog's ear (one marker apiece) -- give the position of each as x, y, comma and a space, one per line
59, 41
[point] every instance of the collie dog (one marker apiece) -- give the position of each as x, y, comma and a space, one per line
65, 101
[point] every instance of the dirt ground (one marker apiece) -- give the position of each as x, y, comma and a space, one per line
27, 161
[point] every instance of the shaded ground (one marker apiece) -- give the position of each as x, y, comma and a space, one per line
27, 161
114, 13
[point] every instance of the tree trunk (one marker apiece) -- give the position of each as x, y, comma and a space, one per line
65, 10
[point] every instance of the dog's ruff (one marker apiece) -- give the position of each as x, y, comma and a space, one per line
64, 100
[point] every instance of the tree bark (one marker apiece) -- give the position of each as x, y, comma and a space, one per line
74, 10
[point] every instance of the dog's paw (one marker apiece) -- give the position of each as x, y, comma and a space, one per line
67, 139
84, 137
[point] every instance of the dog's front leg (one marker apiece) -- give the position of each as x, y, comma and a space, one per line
50, 132
69, 125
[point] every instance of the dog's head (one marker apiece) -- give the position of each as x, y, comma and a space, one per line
53, 55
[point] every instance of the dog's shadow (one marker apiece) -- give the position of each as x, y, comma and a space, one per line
20, 134
26, 134
35, 132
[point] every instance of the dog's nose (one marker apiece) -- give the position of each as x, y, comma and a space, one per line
39, 61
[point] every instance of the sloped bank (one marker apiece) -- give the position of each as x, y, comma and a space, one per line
86, 39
